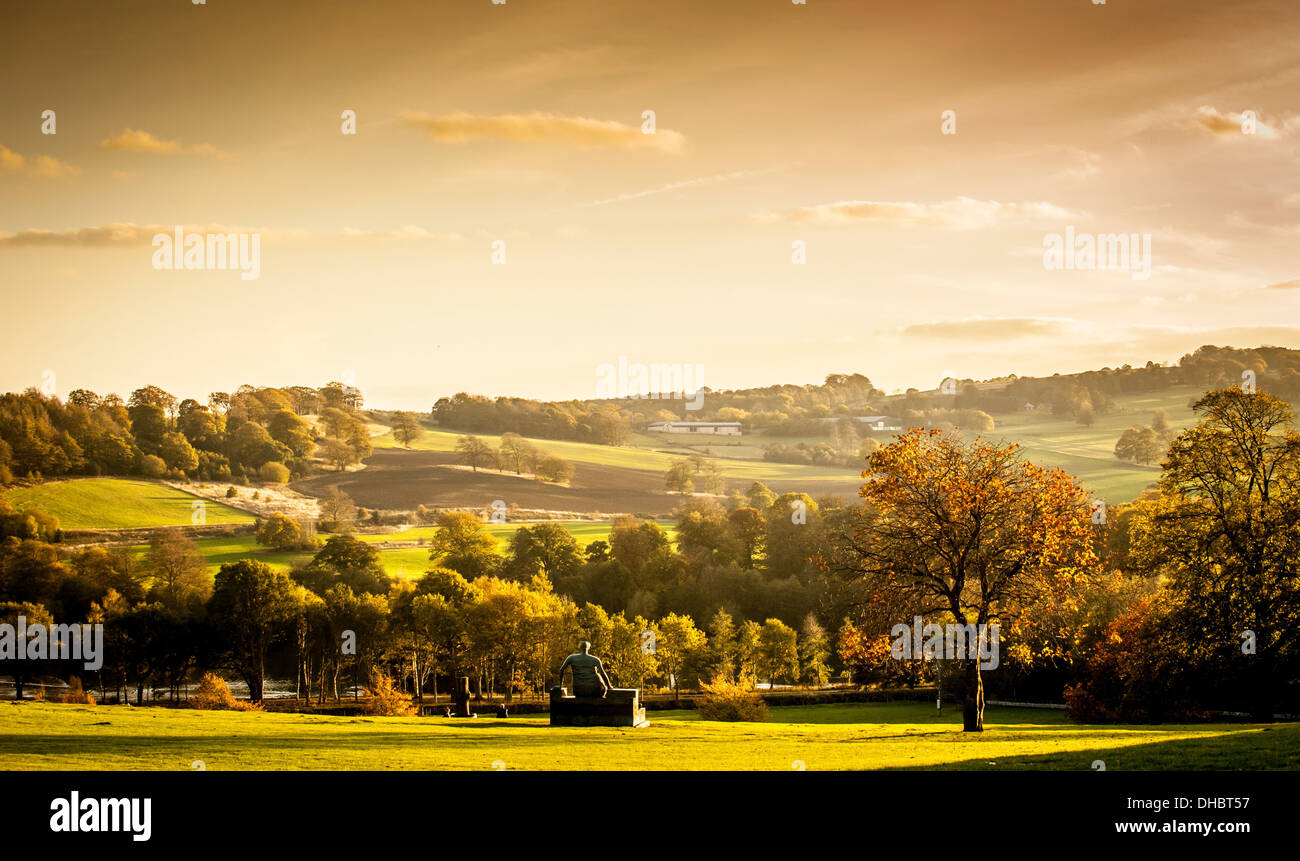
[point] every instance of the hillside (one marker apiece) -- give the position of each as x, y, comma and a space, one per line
119, 503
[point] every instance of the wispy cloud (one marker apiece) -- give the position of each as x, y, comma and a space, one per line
685, 183
126, 233
989, 328
136, 140
407, 232
542, 128
1235, 124
1285, 285
962, 213
42, 165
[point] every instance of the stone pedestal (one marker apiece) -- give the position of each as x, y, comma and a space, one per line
619, 707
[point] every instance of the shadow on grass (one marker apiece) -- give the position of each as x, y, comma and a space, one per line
1248, 748
912, 713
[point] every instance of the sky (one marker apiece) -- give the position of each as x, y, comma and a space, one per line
781, 132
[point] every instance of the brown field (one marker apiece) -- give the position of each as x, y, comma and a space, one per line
402, 479
399, 479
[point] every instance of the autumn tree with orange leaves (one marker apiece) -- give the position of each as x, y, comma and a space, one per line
971, 531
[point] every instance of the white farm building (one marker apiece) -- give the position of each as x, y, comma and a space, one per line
723, 428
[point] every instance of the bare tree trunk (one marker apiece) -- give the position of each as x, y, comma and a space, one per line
972, 709
415, 674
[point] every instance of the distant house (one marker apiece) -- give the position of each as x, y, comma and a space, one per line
875, 423
724, 428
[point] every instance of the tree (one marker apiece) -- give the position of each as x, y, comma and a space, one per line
714, 482
747, 639
177, 571
354, 563
286, 428
969, 530
814, 650
1140, 445
627, 660
279, 532
337, 453
407, 429
722, 647
760, 497
1160, 424
462, 544
750, 532
1226, 532
554, 469
547, 549
474, 452
778, 651
336, 507
704, 532
635, 542
677, 644
251, 446
177, 453
148, 426
517, 453
22, 671
680, 477
250, 606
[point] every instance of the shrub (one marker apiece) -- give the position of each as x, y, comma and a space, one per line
152, 466
730, 701
231, 493
273, 472
214, 695
554, 469
75, 695
385, 701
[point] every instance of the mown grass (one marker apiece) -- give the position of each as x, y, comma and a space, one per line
119, 503
829, 737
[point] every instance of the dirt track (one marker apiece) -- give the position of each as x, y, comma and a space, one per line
399, 479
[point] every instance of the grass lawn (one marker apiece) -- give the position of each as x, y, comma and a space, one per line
118, 503
40, 736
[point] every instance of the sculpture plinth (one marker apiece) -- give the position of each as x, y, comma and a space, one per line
619, 707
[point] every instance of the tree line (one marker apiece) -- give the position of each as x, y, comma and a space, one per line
251, 433
1185, 601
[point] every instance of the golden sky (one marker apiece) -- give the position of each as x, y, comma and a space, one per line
522, 123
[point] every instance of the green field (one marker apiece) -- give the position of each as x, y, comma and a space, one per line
633, 457
118, 503
402, 562
40, 736
1087, 453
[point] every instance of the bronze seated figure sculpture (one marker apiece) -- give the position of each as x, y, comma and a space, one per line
596, 702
